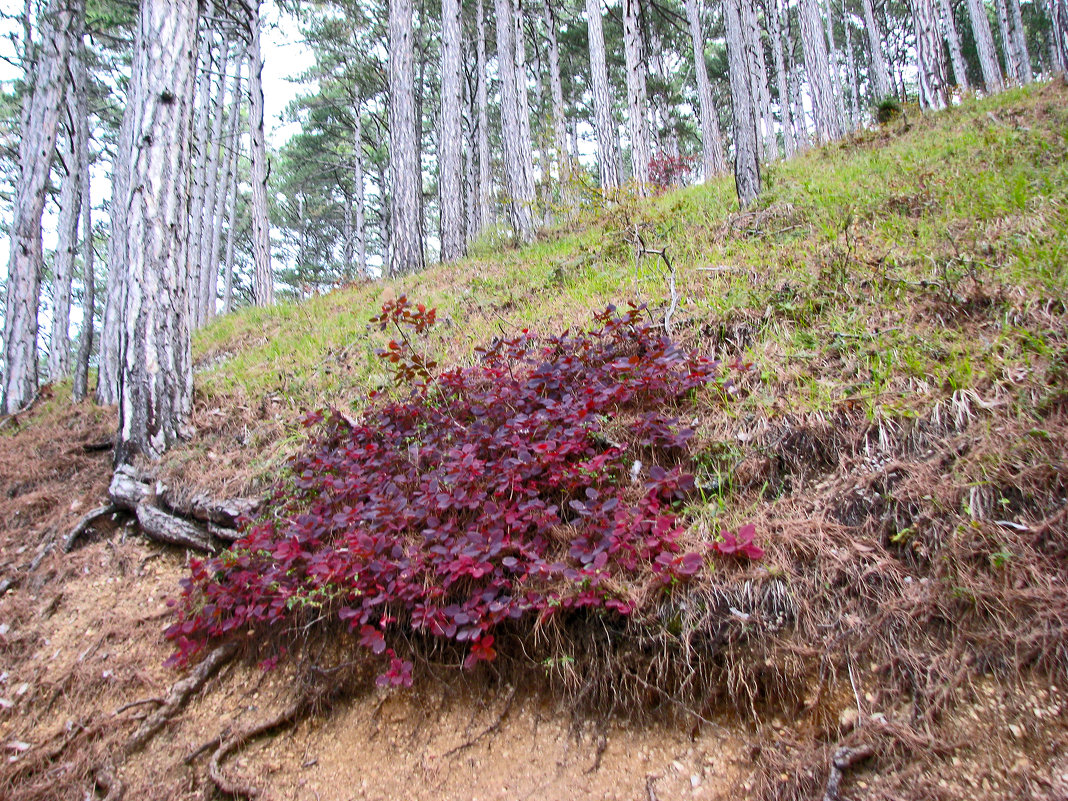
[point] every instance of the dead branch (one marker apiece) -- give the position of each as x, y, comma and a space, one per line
843, 760
179, 694
236, 786
84, 524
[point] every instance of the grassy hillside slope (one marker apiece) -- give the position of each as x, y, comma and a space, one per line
900, 445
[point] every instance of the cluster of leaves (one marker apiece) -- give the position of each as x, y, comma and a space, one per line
666, 171
491, 493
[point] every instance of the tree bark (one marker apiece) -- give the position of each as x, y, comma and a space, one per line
607, 155
712, 161
818, 67
960, 71
213, 201
263, 276
640, 150
930, 69
556, 89
984, 45
740, 68
836, 77
1059, 33
85, 343
72, 154
880, 74
198, 154
156, 378
485, 176
1008, 43
1019, 36
406, 251
781, 80
46, 82
519, 202
526, 142
450, 137
359, 206
233, 180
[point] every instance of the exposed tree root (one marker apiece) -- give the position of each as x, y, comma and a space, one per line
85, 523
488, 730
108, 781
843, 760
178, 695
236, 786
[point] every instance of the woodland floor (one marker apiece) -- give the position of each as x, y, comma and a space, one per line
913, 599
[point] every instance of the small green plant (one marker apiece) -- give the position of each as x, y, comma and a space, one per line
887, 110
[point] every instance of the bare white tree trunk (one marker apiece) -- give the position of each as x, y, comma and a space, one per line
1058, 10
156, 373
984, 45
263, 276
232, 182
607, 153
485, 176
515, 176
740, 67
406, 252
72, 153
636, 94
844, 123
818, 67
880, 74
712, 161
40, 124
769, 145
960, 72
930, 70
450, 137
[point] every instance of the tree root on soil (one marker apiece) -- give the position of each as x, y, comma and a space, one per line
178, 695
843, 760
236, 786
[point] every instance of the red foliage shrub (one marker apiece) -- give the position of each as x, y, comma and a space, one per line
491, 493
666, 171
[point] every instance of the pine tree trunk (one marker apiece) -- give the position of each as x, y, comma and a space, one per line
607, 153
817, 65
851, 66
156, 378
40, 123
1008, 43
556, 89
930, 68
1019, 36
526, 142
781, 80
769, 144
519, 203
263, 277
984, 45
199, 155
233, 181
880, 74
844, 124
1059, 33
359, 210
450, 137
71, 154
485, 175
712, 161
740, 68
636, 95
85, 343
209, 238
960, 72
406, 251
